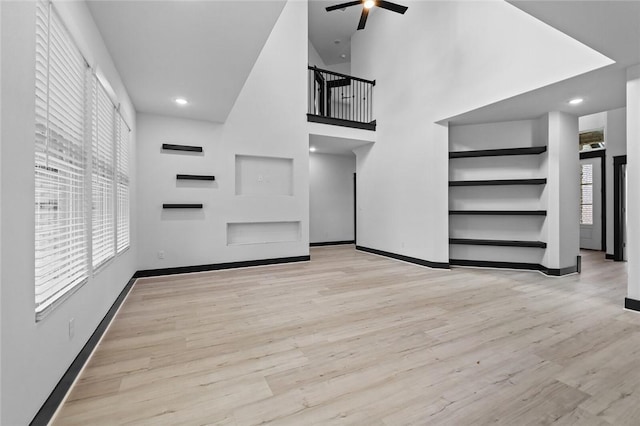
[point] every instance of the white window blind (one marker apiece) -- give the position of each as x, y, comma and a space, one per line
122, 179
586, 194
103, 177
60, 161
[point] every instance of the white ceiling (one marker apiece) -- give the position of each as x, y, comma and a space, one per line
327, 27
611, 27
333, 145
204, 51
200, 50
602, 90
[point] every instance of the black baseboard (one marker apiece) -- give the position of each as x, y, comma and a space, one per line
497, 265
514, 265
632, 304
421, 262
609, 256
331, 243
218, 266
562, 271
50, 406
48, 409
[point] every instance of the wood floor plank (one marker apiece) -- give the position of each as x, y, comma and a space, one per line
354, 338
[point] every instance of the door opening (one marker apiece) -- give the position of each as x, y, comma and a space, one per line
355, 210
620, 208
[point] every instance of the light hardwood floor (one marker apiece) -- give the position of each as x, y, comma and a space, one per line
353, 338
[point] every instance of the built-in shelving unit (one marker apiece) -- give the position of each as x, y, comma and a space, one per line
182, 206
534, 150
185, 148
499, 212
492, 182
195, 177
497, 243
498, 220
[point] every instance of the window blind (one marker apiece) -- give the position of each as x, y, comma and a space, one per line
60, 161
103, 176
122, 179
586, 194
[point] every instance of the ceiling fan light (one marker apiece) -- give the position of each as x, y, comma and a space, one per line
369, 4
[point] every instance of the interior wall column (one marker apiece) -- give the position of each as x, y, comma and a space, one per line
562, 190
633, 183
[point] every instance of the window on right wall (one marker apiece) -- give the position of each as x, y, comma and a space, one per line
586, 194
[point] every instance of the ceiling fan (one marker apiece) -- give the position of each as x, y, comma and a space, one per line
368, 4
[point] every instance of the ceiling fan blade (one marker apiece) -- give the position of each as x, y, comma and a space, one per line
363, 18
343, 5
391, 6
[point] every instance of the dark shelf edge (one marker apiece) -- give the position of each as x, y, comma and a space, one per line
182, 206
195, 177
499, 212
542, 181
187, 148
497, 243
534, 150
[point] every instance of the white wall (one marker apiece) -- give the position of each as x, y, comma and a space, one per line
331, 197
343, 68
438, 60
262, 123
593, 121
633, 181
1, 212
316, 60
35, 355
314, 57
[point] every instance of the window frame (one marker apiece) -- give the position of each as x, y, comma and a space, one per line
83, 110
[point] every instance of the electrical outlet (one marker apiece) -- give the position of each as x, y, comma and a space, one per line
72, 328
161, 254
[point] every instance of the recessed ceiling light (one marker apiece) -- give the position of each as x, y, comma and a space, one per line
369, 4
343, 56
576, 101
312, 149
181, 101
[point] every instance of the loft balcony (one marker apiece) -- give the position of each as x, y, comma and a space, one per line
340, 99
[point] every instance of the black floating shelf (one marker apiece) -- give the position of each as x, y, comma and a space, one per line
195, 177
182, 206
499, 243
187, 148
498, 182
498, 152
499, 212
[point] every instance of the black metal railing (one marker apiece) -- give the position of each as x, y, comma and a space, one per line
336, 98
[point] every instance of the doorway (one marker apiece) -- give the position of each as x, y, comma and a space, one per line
620, 208
592, 196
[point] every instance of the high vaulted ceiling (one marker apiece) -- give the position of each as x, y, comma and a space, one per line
325, 28
200, 50
611, 27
